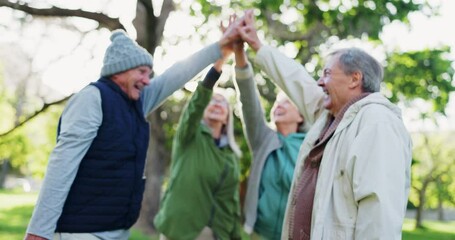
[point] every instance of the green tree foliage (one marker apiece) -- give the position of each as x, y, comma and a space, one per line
27, 147
426, 74
433, 171
311, 27
314, 22
434, 154
317, 25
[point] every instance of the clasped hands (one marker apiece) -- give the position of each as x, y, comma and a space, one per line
239, 31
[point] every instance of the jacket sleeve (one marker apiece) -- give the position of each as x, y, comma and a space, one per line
176, 76
381, 178
80, 122
254, 122
192, 115
294, 80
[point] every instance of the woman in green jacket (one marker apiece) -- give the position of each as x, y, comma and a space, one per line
201, 200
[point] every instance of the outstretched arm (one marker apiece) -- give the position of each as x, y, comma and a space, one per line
193, 112
254, 122
287, 74
183, 71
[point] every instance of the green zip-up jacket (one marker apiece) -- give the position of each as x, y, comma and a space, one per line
204, 182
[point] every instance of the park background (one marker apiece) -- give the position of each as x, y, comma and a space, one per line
51, 49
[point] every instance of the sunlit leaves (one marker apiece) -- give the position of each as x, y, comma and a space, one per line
435, 164
425, 74
27, 148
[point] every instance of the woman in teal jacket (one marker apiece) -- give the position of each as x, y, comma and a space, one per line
274, 150
201, 200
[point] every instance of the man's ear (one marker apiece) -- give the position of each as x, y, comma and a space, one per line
356, 81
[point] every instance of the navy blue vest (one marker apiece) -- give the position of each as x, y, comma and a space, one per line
107, 191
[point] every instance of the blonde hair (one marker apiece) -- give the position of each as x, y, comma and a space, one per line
282, 95
229, 127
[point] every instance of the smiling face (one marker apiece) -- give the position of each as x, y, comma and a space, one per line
338, 86
217, 110
133, 81
284, 112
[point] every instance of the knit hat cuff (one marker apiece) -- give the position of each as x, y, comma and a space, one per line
126, 64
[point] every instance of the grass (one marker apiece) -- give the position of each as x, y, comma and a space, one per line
433, 230
15, 211
16, 208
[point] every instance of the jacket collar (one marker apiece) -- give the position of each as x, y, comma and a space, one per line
116, 88
354, 108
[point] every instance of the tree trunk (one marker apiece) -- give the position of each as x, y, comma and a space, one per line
157, 159
440, 200
149, 33
440, 211
4, 172
419, 213
420, 207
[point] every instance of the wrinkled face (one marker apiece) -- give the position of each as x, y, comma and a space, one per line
336, 85
283, 111
217, 110
133, 81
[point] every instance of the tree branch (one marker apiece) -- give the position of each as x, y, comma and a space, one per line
102, 19
168, 7
147, 4
149, 27
33, 115
157, 23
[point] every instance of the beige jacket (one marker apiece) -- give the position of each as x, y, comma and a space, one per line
364, 178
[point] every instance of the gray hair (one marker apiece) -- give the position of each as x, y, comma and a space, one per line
355, 59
